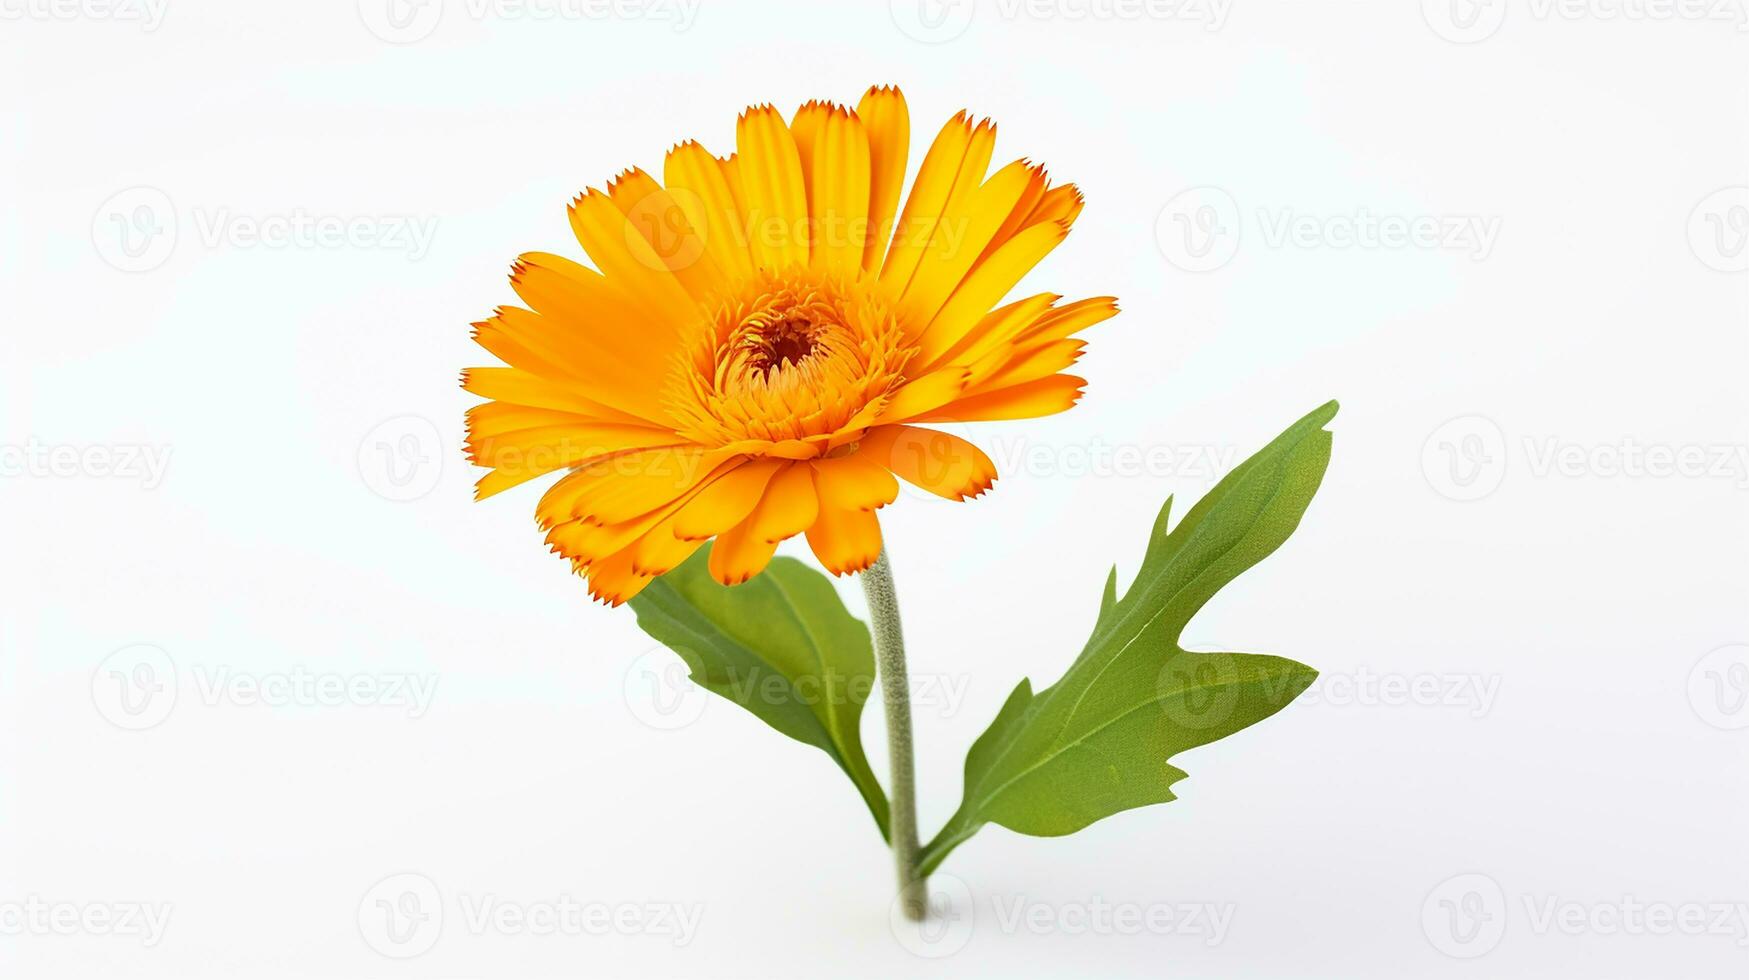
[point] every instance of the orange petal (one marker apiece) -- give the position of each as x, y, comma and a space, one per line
1066, 320
856, 480
613, 580
943, 464
625, 258
887, 120
990, 331
789, 507
642, 482
519, 456
838, 192
1032, 400
697, 180
776, 200
845, 539
657, 216
740, 553
967, 227
726, 502
953, 168
1007, 367
657, 552
518, 387
923, 395
986, 286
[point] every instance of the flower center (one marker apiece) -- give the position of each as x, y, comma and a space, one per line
777, 343
798, 360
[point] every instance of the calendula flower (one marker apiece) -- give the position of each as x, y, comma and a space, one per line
761, 344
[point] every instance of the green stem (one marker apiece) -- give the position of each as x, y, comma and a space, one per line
889, 641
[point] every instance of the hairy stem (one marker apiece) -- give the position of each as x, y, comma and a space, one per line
889, 642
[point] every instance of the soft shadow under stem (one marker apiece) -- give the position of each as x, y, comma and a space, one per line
889, 644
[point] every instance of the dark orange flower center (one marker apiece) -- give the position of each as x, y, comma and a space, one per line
779, 343
794, 358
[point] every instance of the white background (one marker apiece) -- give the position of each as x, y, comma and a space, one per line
1518, 678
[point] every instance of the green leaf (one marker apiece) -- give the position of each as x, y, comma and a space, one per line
1097, 741
781, 645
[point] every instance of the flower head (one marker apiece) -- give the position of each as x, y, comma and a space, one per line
764, 338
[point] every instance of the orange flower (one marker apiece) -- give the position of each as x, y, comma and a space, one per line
750, 358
